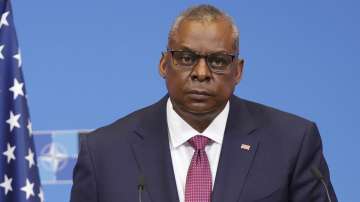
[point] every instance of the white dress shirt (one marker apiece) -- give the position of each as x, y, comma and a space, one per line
181, 151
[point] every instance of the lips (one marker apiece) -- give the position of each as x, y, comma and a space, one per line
199, 94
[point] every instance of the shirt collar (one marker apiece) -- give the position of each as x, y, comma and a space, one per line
180, 131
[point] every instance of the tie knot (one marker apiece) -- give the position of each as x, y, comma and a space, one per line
199, 142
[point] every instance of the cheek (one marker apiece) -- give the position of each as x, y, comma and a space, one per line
225, 87
175, 82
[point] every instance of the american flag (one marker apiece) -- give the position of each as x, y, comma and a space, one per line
19, 176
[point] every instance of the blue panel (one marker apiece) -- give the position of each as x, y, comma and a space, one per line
46, 175
68, 139
57, 192
40, 140
57, 154
66, 173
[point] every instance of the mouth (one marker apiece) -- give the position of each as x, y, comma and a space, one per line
199, 94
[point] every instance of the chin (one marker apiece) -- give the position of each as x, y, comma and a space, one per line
200, 108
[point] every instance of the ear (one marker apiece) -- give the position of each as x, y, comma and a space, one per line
239, 70
162, 65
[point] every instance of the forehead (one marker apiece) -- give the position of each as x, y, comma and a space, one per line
204, 37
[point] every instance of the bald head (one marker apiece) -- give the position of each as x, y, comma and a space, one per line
205, 14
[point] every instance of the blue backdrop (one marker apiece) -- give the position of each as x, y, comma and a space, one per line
87, 63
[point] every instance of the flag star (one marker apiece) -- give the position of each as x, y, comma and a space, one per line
1, 54
30, 158
7, 184
29, 127
28, 189
9, 153
18, 57
13, 121
3, 20
41, 195
17, 88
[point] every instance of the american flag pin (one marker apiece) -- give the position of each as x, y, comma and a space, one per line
245, 147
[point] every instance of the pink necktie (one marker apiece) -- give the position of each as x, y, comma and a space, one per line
198, 180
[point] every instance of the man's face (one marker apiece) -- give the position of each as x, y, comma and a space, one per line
199, 90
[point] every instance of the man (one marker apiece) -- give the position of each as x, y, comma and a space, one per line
201, 143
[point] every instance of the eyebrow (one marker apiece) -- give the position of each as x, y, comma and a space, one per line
187, 48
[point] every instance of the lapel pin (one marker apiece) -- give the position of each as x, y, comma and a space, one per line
245, 147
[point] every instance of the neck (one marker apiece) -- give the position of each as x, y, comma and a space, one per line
198, 121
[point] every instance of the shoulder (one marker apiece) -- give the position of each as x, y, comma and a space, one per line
122, 129
282, 134
276, 123
271, 115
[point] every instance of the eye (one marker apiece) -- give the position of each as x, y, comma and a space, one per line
184, 58
219, 61
187, 59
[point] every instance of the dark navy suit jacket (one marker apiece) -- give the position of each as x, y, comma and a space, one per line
276, 168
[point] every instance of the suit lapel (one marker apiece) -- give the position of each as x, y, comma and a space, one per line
236, 157
152, 154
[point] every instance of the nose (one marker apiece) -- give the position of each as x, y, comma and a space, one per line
201, 71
